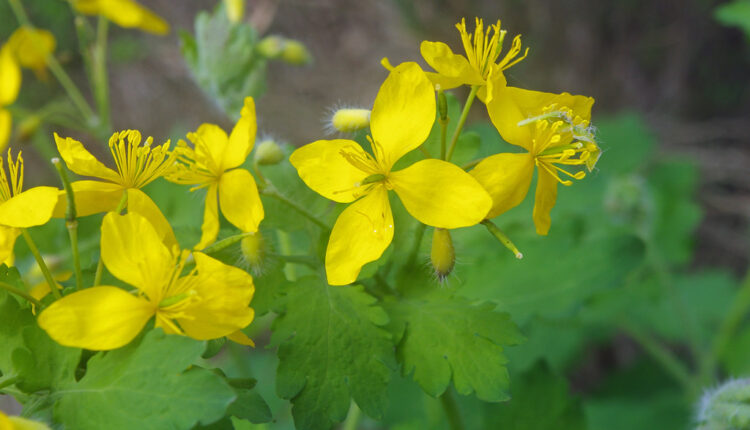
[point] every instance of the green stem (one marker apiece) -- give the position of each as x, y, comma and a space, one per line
450, 407
472, 163
462, 121
296, 259
71, 223
100, 264
271, 192
727, 329
352, 420
663, 356
443, 137
285, 245
499, 235
42, 265
54, 66
425, 152
10, 381
21, 293
101, 81
225, 243
259, 175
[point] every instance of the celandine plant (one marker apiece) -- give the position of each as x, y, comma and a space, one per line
135, 337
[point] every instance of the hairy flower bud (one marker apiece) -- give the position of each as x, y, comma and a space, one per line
268, 152
270, 46
350, 120
442, 256
295, 53
725, 407
253, 251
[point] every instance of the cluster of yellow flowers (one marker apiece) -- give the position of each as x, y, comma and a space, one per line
186, 291
553, 129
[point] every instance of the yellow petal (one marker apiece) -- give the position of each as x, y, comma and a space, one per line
544, 201
99, 318
507, 178
40, 290
125, 13
322, 167
8, 237
31, 46
403, 113
30, 208
441, 194
241, 338
133, 252
91, 197
510, 105
242, 138
80, 161
210, 226
10, 76
441, 58
495, 79
361, 234
239, 200
140, 203
210, 143
24, 424
6, 124
222, 307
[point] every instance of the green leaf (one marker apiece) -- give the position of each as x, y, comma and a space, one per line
223, 60
250, 406
331, 348
537, 387
442, 338
13, 319
144, 385
43, 363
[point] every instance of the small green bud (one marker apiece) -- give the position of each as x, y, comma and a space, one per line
727, 407
442, 105
270, 46
28, 127
442, 256
350, 120
253, 249
268, 153
295, 53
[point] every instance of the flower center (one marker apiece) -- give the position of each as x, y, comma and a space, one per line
560, 138
138, 165
485, 48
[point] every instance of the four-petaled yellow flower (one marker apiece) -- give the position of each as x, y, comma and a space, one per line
480, 67
209, 301
213, 162
125, 13
20, 209
435, 192
137, 165
554, 129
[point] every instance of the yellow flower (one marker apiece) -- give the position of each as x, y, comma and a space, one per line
31, 47
125, 13
10, 84
208, 302
554, 129
482, 66
18, 423
137, 165
435, 192
212, 163
20, 209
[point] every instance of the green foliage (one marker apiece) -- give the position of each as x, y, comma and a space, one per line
735, 14
223, 60
139, 386
531, 390
442, 338
331, 348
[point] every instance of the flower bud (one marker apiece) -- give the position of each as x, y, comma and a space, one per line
295, 53
350, 120
268, 152
442, 256
235, 10
725, 407
253, 251
442, 105
270, 46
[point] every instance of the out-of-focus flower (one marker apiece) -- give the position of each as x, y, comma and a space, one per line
125, 13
